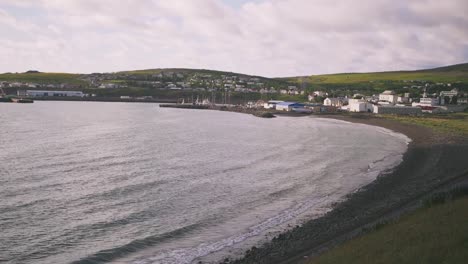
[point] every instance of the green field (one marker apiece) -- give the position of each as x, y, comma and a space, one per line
438, 234
449, 74
455, 124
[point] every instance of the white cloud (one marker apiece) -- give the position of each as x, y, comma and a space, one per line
272, 38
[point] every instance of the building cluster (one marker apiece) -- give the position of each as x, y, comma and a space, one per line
169, 80
388, 102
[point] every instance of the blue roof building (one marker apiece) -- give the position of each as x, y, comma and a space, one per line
288, 106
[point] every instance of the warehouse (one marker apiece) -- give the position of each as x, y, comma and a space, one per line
398, 110
35, 93
288, 106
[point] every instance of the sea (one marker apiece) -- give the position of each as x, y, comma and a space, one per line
94, 182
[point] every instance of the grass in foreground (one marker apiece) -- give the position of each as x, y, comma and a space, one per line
456, 123
436, 234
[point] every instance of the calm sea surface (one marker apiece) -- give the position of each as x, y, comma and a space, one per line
132, 183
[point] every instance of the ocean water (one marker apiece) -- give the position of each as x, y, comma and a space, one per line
84, 182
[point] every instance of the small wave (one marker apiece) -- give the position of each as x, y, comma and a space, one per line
188, 255
105, 256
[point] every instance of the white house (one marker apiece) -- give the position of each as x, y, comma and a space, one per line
357, 105
337, 102
388, 96
320, 93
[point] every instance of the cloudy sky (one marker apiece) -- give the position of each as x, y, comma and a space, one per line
263, 37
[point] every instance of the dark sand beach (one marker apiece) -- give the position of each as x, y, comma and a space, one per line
432, 163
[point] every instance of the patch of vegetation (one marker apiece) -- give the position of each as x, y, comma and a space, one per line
449, 74
375, 82
42, 78
433, 234
455, 123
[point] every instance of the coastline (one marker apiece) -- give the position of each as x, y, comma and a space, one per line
433, 162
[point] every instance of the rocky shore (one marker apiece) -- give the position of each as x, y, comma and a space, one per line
433, 162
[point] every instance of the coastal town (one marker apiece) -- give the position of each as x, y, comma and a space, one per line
213, 89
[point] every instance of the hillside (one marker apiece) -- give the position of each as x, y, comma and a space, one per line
118, 77
189, 72
448, 74
54, 78
144, 82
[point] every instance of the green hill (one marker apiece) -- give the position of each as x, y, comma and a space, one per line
448, 74
54, 78
41, 77
342, 83
188, 71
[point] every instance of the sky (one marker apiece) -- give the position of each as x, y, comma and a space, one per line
273, 38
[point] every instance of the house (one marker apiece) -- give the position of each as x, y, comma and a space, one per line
108, 86
388, 96
462, 101
403, 99
446, 97
336, 102
359, 105
320, 93
288, 106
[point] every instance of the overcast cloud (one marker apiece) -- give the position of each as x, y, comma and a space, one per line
270, 38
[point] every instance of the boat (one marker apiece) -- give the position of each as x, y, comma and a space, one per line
4, 98
22, 100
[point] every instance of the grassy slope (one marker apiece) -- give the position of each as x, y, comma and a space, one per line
188, 71
42, 77
452, 73
455, 124
430, 235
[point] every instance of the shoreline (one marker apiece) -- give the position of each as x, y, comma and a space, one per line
433, 162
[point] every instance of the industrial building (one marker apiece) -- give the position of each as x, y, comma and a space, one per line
288, 106
398, 110
360, 106
36, 93
271, 104
426, 101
